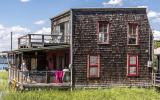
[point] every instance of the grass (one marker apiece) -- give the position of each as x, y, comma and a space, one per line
3, 81
3, 75
99, 94
96, 94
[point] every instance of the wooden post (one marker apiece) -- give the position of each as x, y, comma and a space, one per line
21, 69
154, 79
71, 52
43, 40
11, 40
29, 36
19, 42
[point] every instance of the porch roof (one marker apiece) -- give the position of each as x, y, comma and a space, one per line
58, 47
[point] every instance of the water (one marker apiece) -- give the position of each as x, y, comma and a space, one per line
3, 63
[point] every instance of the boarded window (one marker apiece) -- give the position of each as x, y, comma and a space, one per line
103, 32
132, 65
132, 34
93, 66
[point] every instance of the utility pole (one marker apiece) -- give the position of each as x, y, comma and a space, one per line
11, 40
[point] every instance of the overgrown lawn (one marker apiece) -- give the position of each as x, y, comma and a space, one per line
94, 94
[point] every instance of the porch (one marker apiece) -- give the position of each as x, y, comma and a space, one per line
44, 68
39, 79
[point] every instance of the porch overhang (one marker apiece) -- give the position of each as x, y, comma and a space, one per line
58, 47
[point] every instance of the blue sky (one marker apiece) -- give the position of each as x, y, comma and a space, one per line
33, 16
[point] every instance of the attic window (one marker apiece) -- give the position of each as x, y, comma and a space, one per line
132, 37
103, 32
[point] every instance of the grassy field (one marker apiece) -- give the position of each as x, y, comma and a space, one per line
3, 75
96, 94
3, 81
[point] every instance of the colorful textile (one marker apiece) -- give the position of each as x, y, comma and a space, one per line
58, 76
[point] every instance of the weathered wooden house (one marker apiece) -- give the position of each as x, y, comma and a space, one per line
98, 47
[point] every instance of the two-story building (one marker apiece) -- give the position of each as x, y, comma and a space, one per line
103, 47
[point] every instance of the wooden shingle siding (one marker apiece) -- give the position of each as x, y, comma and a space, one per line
113, 56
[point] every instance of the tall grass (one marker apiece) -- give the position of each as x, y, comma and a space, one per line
100, 94
3, 80
3, 75
96, 94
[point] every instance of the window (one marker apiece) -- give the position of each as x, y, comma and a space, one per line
132, 34
57, 29
103, 32
93, 66
132, 65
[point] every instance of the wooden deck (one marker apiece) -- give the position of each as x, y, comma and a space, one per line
41, 40
38, 85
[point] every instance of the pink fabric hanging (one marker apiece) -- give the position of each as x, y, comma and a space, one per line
58, 76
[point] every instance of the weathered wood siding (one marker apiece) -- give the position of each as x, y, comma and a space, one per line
113, 56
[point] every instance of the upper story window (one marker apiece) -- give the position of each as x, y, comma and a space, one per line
62, 30
103, 32
132, 37
57, 29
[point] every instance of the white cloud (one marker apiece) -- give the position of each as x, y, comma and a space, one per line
24, 0
113, 2
142, 7
5, 36
39, 22
153, 14
17, 32
156, 20
154, 17
44, 30
19, 29
156, 35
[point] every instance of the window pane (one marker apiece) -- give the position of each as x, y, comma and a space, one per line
105, 37
93, 71
133, 60
130, 30
132, 40
132, 35
132, 70
100, 29
103, 27
134, 30
57, 29
101, 37
93, 60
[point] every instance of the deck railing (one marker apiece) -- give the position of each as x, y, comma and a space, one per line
156, 79
34, 40
35, 77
